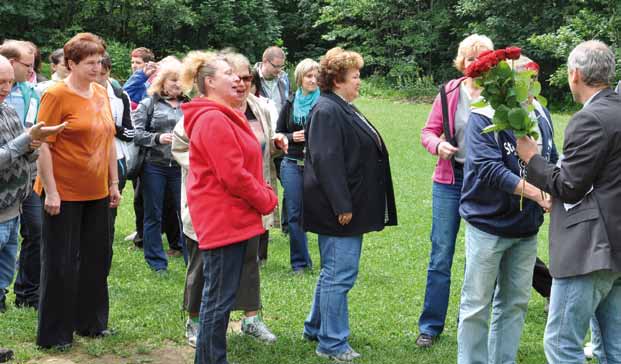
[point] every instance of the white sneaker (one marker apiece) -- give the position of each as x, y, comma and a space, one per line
588, 351
256, 328
191, 332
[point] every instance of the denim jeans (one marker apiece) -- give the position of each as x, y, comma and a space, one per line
499, 273
328, 319
29, 262
574, 301
8, 252
222, 268
156, 180
292, 179
444, 229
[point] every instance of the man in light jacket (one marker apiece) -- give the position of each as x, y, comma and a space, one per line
585, 224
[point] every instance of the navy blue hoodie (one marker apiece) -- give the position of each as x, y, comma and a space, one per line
491, 174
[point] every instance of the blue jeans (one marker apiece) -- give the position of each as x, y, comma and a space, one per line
328, 319
222, 268
574, 301
499, 273
444, 229
8, 252
27, 281
292, 179
156, 180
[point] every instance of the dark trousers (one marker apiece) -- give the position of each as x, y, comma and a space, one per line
170, 225
222, 269
249, 293
75, 262
113, 212
26, 286
542, 280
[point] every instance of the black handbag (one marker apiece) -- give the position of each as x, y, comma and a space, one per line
137, 153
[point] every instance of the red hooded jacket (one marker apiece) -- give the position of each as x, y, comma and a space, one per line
225, 187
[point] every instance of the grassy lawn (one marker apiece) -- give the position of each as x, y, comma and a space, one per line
384, 304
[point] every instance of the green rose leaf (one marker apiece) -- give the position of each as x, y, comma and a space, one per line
516, 118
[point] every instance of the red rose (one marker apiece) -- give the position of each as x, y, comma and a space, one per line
472, 71
532, 66
490, 61
513, 52
484, 53
501, 54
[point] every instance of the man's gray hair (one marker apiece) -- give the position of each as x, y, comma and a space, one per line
595, 61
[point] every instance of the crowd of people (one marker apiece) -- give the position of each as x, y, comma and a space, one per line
205, 141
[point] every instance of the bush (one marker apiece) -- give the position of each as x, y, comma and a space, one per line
121, 60
417, 89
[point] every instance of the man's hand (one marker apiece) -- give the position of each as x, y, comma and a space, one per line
281, 142
115, 195
166, 138
446, 150
34, 145
545, 202
150, 68
345, 218
526, 148
39, 131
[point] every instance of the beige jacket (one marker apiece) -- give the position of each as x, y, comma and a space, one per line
181, 153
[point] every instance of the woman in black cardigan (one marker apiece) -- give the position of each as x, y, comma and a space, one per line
347, 192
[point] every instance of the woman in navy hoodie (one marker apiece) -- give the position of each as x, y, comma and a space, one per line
501, 237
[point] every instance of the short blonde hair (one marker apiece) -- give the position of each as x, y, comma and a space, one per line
520, 63
334, 66
304, 67
163, 74
473, 43
197, 66
237, 60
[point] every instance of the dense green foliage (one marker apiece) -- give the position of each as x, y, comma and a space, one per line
410, 44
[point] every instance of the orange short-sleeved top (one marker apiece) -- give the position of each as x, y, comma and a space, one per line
81, 152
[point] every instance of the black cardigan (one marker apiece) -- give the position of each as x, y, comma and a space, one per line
285, 125
346, 169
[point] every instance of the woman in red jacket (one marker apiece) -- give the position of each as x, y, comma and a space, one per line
226, 192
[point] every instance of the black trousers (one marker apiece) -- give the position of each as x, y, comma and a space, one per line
26, 286
75, 262
542, 280
122, 181
170, 222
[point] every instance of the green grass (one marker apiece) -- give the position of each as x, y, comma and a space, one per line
384, 304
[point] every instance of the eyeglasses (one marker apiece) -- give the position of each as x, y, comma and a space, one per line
279, 66
246, 78
25, 64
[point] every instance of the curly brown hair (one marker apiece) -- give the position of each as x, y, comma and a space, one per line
334, 66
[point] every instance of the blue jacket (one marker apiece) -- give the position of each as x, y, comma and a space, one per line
136, 86
491, 174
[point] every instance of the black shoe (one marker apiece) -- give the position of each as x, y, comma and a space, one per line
103, 333
5, 355
20, 303
138, 242
2, 302
58, 347
425, 341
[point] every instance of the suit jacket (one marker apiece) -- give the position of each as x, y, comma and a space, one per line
586, 238
346, 169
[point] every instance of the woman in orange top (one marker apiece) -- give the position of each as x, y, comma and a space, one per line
78, 182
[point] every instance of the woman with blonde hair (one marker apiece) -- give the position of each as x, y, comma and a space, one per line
343, 198
291, 123
444, 136
154, 119
225, 170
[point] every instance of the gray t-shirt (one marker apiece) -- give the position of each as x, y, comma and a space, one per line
461, 119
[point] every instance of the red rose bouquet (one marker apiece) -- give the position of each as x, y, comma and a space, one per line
507, 91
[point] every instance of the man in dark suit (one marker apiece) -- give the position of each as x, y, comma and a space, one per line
585, 227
